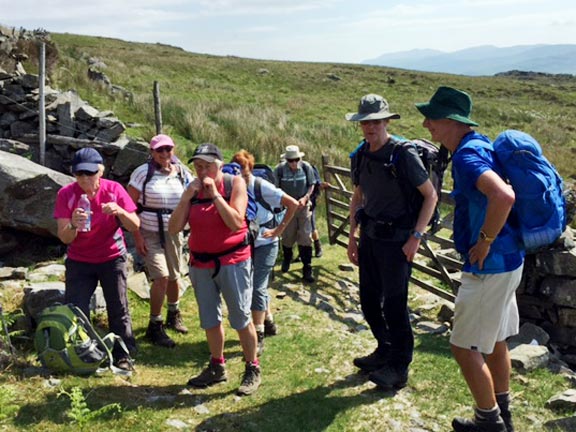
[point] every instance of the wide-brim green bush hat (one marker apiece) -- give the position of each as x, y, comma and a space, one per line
448, 103
372, 107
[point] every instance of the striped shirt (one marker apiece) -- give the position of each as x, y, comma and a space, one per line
163, 191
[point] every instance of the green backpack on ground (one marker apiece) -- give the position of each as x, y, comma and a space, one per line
65, 341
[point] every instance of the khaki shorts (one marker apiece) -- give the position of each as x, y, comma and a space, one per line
163, 262
486, 311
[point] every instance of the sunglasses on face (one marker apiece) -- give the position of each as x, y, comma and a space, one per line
370, 122
292, 160
85, 173
163, 149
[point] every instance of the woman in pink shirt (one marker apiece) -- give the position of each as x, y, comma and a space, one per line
99, 254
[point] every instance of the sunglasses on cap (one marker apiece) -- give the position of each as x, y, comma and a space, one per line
163, 149
84, 173
293, 160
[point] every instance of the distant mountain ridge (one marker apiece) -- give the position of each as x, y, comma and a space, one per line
485, 60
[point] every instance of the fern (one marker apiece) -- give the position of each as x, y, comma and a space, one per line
79, 411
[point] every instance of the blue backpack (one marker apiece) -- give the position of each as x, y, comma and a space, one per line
234, 169
540, 208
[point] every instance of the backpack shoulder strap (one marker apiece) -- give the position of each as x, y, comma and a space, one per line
258, 194
228, 185
149, 175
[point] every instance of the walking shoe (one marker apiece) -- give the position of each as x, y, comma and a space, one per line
157, 335
507, 419
270, 328
478, 425
390, 377
213, 374
174, 321
371, 362
260, 348
250, 381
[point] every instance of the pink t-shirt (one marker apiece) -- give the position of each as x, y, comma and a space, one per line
209, 234
105, 240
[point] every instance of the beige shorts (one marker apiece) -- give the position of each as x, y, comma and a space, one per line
486, 311
163, 262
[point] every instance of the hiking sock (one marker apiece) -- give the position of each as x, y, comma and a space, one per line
503, 400
173, 307
259, 328
253, 363
155, 318
489, 415
220, 360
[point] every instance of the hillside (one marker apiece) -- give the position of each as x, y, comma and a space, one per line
486, 60
266, 105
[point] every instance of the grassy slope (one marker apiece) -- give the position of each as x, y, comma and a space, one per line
309, 382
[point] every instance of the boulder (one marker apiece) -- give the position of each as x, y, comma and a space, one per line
27, 194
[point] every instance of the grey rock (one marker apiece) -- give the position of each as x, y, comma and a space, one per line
563, 401
529, 357
529, 334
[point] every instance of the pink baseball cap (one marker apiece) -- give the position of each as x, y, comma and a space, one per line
161, 141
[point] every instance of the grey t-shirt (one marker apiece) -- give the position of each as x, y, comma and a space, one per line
294, 183
385, 197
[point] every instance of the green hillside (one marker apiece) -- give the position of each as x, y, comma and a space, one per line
265, 105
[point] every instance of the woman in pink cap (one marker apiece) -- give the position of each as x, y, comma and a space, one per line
156, 187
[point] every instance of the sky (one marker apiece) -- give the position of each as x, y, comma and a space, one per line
340, 31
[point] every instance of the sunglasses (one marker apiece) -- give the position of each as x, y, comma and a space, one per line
83, 173
292, 160
163, 149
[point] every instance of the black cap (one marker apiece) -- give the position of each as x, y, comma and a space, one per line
208, 152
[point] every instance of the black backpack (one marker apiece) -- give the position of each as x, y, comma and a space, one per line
435, 160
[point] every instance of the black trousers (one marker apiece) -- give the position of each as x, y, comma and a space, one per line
81, 282
384, 277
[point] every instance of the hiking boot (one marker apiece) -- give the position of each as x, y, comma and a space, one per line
286, 258
317, 249
260, 348
371, 362
213, 374
157, 335
174, 322
390, 377
478, 425
270, 328
307, 274
250, 381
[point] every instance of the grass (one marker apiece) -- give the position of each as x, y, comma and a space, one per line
310, 383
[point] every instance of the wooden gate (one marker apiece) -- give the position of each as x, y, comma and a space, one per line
437, 266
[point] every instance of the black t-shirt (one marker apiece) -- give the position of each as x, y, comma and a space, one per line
380, 179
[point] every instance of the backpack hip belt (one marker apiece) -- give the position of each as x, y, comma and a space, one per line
205, 257
159, 212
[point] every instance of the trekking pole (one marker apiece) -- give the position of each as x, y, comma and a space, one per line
5, 327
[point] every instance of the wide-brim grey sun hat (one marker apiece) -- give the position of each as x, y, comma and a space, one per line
292, 152
372, 107
448, 103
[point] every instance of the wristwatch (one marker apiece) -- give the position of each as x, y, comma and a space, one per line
417, 234
70, 227
486, 238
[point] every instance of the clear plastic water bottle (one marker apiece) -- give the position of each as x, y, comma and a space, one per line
84, 204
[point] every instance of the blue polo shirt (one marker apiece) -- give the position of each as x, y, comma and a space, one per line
473, 157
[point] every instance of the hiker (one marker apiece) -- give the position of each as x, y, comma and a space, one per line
97, 255
486, 312
296, 177
390, 235
220, 263
156, 187
268, 198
